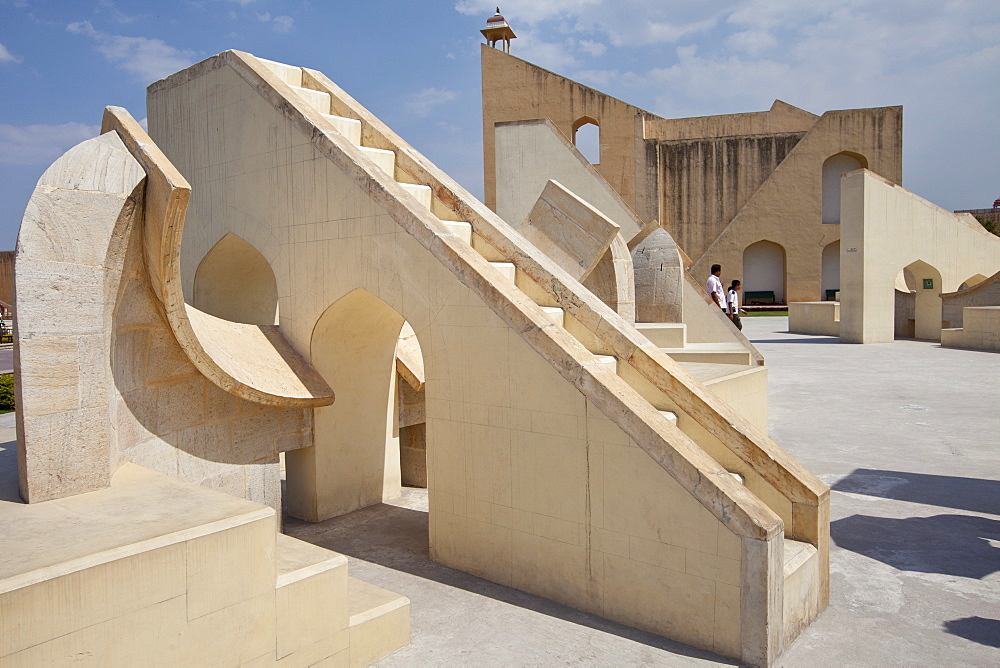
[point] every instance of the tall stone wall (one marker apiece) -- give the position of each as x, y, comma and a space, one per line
705, 182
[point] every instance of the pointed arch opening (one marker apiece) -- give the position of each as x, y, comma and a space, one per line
764, 270
235, 281
924, 282
355, 459
831, 271
587, 138
833, 168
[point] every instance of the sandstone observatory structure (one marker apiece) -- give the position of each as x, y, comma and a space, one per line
902, 260
757, 192
272, 306
148, 442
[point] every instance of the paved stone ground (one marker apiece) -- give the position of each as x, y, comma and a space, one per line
906, 434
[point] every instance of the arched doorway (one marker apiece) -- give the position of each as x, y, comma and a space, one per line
764, 270
234, 281
926, 281
831, 271
833, 168
354, 461
587, 139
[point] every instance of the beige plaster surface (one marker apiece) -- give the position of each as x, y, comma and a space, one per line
69, 261
155, 571
554, 466
980, 329
982, 293
814, 318
532, 154
568, 229
887, 229
265, 369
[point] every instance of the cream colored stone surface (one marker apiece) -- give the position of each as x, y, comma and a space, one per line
568, 229
531, 153
887, 229
154, 571
980, 329
515, 468
67, 267
379, 622
814, 318
659, 279
263, 367
984, 292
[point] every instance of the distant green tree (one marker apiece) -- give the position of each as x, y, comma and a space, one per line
990, 225
6, 393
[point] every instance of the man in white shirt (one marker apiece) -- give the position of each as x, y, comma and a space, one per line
714, 287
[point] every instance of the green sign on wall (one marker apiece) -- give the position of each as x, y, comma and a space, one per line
928, 284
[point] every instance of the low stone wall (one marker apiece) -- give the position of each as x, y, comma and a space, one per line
981, 330
821, 318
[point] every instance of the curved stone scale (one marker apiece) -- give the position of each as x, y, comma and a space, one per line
253, 362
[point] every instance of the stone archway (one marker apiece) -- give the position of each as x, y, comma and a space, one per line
234, 281
927, 300
833, 168
764, 270
354, 461
831, 270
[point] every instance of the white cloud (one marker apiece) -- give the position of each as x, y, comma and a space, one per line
41, 144
595, 49
283, 23
624, 23
422, 103
149, 59
753, 42
551, 55
6, 56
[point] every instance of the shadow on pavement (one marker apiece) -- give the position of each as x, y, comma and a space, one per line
948, 544
977, 629
811, 339
975, 494
396, 538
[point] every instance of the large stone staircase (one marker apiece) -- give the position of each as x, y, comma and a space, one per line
802, 598
674, 434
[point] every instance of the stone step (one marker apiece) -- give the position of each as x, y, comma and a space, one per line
714, 353
311, 595
422, 193
507, 269
556, 314
664, 334
379, 621
383, 159
317, 99
802, 586
288, 73
607, 359
460, 229
349, 127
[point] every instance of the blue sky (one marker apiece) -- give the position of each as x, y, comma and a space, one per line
416, 65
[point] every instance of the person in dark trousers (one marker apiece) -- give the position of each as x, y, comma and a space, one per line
733, 304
